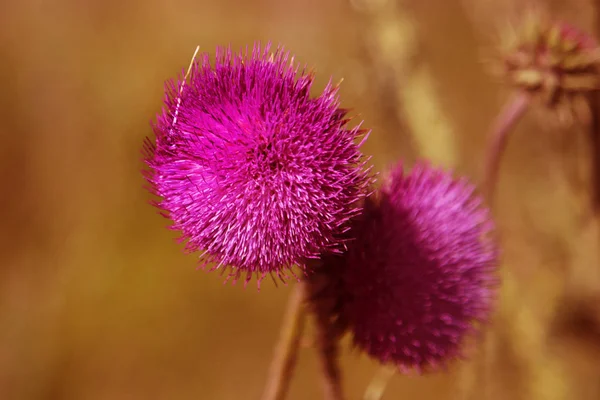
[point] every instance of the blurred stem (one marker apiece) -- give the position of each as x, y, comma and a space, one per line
498, 138
286, 350
506, 121
328, 352
378, 383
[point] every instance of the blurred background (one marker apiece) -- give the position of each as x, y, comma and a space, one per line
97, 301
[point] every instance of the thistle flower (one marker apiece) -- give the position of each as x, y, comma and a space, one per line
553, 61
251, 169
420, 275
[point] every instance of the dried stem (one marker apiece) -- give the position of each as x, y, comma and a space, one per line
498, 138
286, 351
187, 74
328, 351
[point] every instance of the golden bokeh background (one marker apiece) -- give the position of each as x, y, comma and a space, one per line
98, 302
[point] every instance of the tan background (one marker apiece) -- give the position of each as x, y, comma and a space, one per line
97, 301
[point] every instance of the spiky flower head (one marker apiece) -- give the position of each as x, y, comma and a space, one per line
420, 275
251, 169
553, 61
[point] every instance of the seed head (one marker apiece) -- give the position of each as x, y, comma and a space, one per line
553, 61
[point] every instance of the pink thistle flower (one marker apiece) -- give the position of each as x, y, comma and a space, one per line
251, 169
420, 275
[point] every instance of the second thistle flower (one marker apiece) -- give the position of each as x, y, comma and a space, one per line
421, 273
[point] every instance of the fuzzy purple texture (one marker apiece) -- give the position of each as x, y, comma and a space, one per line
421, 274
251, 169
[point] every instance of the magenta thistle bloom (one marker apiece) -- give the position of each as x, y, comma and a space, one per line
251, 169
421, 273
